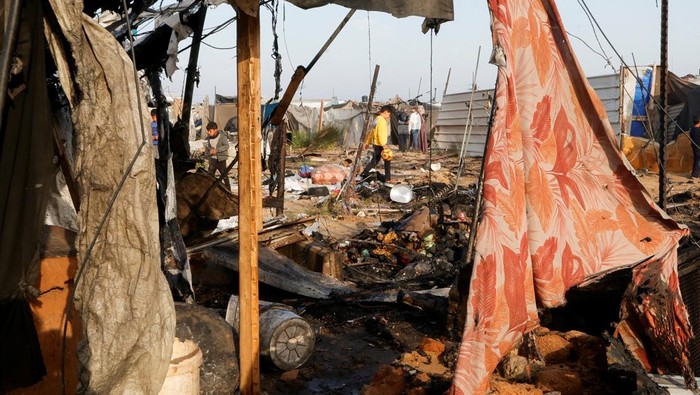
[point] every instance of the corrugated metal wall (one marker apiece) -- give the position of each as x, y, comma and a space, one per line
452, 120
608, 89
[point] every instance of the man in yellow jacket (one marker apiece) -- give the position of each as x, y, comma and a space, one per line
378, 138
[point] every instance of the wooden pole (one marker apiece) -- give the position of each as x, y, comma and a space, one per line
282, 170
444, 92
355, 169
250, 196
320, 118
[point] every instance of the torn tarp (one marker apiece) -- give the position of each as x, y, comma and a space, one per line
441, 9
560, 206
128, 317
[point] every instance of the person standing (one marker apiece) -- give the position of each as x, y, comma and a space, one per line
378, 138
217, 150
695, 141
403, 131
154, 132
414, 122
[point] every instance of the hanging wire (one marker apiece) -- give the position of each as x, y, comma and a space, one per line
284, 33
369, 49
607, 60
639, 81
216, 29
112, 199
273, 7
219, 48
590, 16
657, 105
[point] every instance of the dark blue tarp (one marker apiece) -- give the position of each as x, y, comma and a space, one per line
641, 98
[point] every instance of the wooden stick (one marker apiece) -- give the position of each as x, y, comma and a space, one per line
363, 137
250, 197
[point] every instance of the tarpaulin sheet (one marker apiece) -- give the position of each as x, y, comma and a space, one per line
641, 98
26, 169
127, 312
442, 9
560, 206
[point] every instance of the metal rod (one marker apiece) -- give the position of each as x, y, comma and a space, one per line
8, 44
663, 69
468, 126
330, 39
299, 74
480, 185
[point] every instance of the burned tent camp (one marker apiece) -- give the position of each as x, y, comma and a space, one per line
555, 212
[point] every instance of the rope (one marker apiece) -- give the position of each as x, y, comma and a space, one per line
274, 7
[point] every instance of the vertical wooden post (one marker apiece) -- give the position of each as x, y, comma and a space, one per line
283, 166
250, 196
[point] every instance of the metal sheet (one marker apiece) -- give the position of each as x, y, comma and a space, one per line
452, 120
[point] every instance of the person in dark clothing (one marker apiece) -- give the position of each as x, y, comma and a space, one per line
403, 132
217, 150
695, 141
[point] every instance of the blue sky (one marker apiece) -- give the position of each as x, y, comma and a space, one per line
403, 51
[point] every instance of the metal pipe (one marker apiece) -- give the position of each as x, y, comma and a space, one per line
8, 43
480, 185
468, 125
663, 69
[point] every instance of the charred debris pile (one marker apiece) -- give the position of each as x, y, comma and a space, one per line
397, 288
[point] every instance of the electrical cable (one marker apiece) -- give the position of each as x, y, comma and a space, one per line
639, 81
589, 16
217, 29
219, 48
620, 57
607, 60
284, 33
274, 8
369, 49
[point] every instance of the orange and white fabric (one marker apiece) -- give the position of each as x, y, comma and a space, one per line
560, 205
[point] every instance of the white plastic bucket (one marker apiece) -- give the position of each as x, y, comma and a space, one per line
401, 193
183, 372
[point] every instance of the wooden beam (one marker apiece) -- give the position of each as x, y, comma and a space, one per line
250, 196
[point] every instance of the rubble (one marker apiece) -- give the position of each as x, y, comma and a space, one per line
403, 265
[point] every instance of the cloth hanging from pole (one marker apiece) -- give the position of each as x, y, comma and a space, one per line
561, 206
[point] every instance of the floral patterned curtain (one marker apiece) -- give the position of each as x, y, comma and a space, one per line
561, 206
